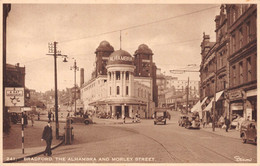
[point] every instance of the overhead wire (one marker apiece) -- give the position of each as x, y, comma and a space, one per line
140, 25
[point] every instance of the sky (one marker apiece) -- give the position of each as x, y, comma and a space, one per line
172, 31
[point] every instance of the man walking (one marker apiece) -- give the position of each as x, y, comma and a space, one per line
47, 136
227, 123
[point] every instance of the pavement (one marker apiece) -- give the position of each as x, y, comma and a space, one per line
12, 144
33, 146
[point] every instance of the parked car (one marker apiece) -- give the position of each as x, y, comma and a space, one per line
193, 121
182, 120
77, 119
248, 131
160, 116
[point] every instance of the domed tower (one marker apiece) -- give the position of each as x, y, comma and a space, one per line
143, 61
120, 78
102, 54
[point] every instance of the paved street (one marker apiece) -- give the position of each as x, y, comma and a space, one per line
148, 143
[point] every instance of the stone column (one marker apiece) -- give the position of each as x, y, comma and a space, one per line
121, 83
114, 84
130, 84
123, 111
113, 111
130, 111
108, 84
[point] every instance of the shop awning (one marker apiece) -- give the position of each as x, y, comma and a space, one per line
209, 106
196, 107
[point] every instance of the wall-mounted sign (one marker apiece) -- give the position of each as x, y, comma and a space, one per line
235, 95
120, 58
14, 97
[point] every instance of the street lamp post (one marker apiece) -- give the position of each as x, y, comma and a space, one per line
75, 68
53, 51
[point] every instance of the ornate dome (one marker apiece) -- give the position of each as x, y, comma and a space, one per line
120, 57
105, 47
144, 49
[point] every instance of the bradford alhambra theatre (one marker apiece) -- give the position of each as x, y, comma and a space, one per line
121, 84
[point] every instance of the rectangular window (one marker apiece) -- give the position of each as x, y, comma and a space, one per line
117, 90
234, 75
117, 75
241, 78
234, 43
240, 38
126, 90
249, 68
127, 75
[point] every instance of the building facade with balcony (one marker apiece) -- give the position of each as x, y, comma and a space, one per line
122, 85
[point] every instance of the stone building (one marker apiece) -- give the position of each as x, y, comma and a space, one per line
121, 84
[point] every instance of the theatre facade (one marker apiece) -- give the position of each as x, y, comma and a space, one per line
121, 84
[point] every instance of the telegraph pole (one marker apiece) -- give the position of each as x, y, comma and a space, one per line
188, 90
53, 52
75, 68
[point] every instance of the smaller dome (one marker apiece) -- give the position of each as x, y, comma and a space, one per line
144, 49
105, 47
120, 57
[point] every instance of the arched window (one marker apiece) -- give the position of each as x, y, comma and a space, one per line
127, 75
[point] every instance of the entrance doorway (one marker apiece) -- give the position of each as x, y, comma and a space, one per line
127, 111
118, 112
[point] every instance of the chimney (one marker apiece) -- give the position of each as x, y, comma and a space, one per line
81, 77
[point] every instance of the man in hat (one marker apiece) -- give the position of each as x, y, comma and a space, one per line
47, 136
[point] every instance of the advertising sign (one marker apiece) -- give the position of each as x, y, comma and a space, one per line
14, 96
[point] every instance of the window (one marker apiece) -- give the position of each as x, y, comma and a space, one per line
117, 75
241, 78
126, 91
117, 90
240, 38
127, 75
234, 75
109, 76
234, 43
249, 73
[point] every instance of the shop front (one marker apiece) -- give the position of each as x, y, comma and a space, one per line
251, 104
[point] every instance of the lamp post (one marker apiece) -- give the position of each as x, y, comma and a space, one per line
53, 51
75, 68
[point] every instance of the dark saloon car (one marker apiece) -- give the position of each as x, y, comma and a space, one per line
248, 131
77, 119
160, 116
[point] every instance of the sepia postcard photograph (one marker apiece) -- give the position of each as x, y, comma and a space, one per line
129, 83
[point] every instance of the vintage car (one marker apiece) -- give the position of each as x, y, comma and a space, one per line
248, 131
182, 120
160, 116
78, 119
193, 121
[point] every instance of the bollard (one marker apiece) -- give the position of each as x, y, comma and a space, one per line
68, 132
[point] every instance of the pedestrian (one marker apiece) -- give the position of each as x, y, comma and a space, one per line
47, 136
25, 118
227, 123
32, 118
123, 118
49, 115
38, 115
52, 117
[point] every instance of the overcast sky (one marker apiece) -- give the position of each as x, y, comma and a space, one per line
173, 32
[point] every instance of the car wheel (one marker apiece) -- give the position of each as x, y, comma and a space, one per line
86, 122
244, 138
